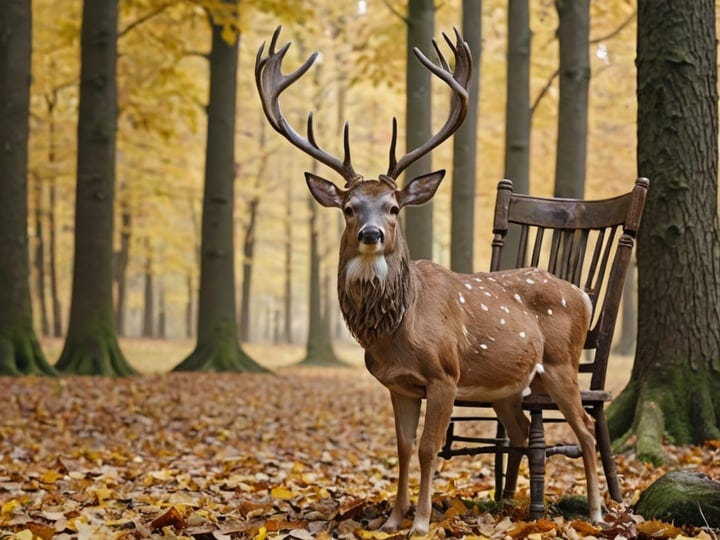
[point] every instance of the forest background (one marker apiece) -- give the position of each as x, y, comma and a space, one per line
162, 91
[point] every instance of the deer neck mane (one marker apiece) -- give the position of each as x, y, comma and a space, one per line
374, 294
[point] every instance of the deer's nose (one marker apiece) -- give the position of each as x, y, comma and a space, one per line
370, 235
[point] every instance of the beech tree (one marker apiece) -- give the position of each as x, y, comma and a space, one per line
517, 112
217, 347
418, 220
19, 349
573, 40
674, 389
462, 233
91, 345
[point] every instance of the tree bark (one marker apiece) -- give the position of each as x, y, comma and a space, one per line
91, 345
319, 349
40, 258
122, 260
628, 328
52, 221
462, 226
20, 351
675, 386
574, 43
287, 308
148, 329
517, 113
217, 347
418, 221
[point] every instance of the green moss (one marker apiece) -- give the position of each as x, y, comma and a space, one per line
572, 507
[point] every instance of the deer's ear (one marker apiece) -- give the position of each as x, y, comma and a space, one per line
324, 191
420, 190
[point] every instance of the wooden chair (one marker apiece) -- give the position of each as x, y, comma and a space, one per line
575, 240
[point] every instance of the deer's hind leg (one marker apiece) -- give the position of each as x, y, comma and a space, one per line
509, 411
560, 382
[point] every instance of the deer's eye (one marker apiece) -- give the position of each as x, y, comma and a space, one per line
348, 211
394, 210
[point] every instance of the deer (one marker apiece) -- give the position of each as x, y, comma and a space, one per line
429, 333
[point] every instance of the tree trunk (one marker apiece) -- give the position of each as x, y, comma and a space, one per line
122, 260
319, 350
52, 240
628, 329
517, 114
40, 258
418, 122
287, 329
162, 313
574, 43
249, 241
19, 348
91, 345
189, 305
148, 329
52, 220
675, 386
462, 232
217, 347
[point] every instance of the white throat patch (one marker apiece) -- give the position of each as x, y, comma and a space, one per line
366, 268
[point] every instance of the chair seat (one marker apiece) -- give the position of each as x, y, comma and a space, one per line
542, 401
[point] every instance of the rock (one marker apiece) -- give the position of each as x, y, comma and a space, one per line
682, 497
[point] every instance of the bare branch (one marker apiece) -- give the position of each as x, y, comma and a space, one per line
395, 11
615, 32
143, 19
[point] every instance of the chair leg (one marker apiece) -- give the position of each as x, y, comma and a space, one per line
536, 457
499, 458
606, 454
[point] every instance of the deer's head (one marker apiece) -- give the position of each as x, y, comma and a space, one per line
371, 208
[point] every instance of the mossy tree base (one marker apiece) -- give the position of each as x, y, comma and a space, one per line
20, 354
219, 356
321, 353
683, 497
680, 404
97, 354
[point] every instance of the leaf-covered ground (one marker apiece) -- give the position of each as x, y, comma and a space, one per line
303, 453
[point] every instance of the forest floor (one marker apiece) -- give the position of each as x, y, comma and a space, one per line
299, 453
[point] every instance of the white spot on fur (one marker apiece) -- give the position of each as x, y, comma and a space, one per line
549, 311
539, 368
492, 279
563, 302
468, 286
487, 294
522, 334
502, 321
505, 309
483, 307
491, 338
483, 347
517, 297
477, 279
366, 268
461, 298
530, 281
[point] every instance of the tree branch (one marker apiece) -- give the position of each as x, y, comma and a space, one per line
615, 32
143, 19
544, 91
395, 11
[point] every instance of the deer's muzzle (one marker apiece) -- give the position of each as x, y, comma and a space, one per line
370, 235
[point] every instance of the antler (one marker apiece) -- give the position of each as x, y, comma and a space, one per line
271, 83
458, 81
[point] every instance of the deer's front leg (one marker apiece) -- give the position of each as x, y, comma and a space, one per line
407, 414
440, 399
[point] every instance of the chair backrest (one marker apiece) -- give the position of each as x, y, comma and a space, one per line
575, 240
